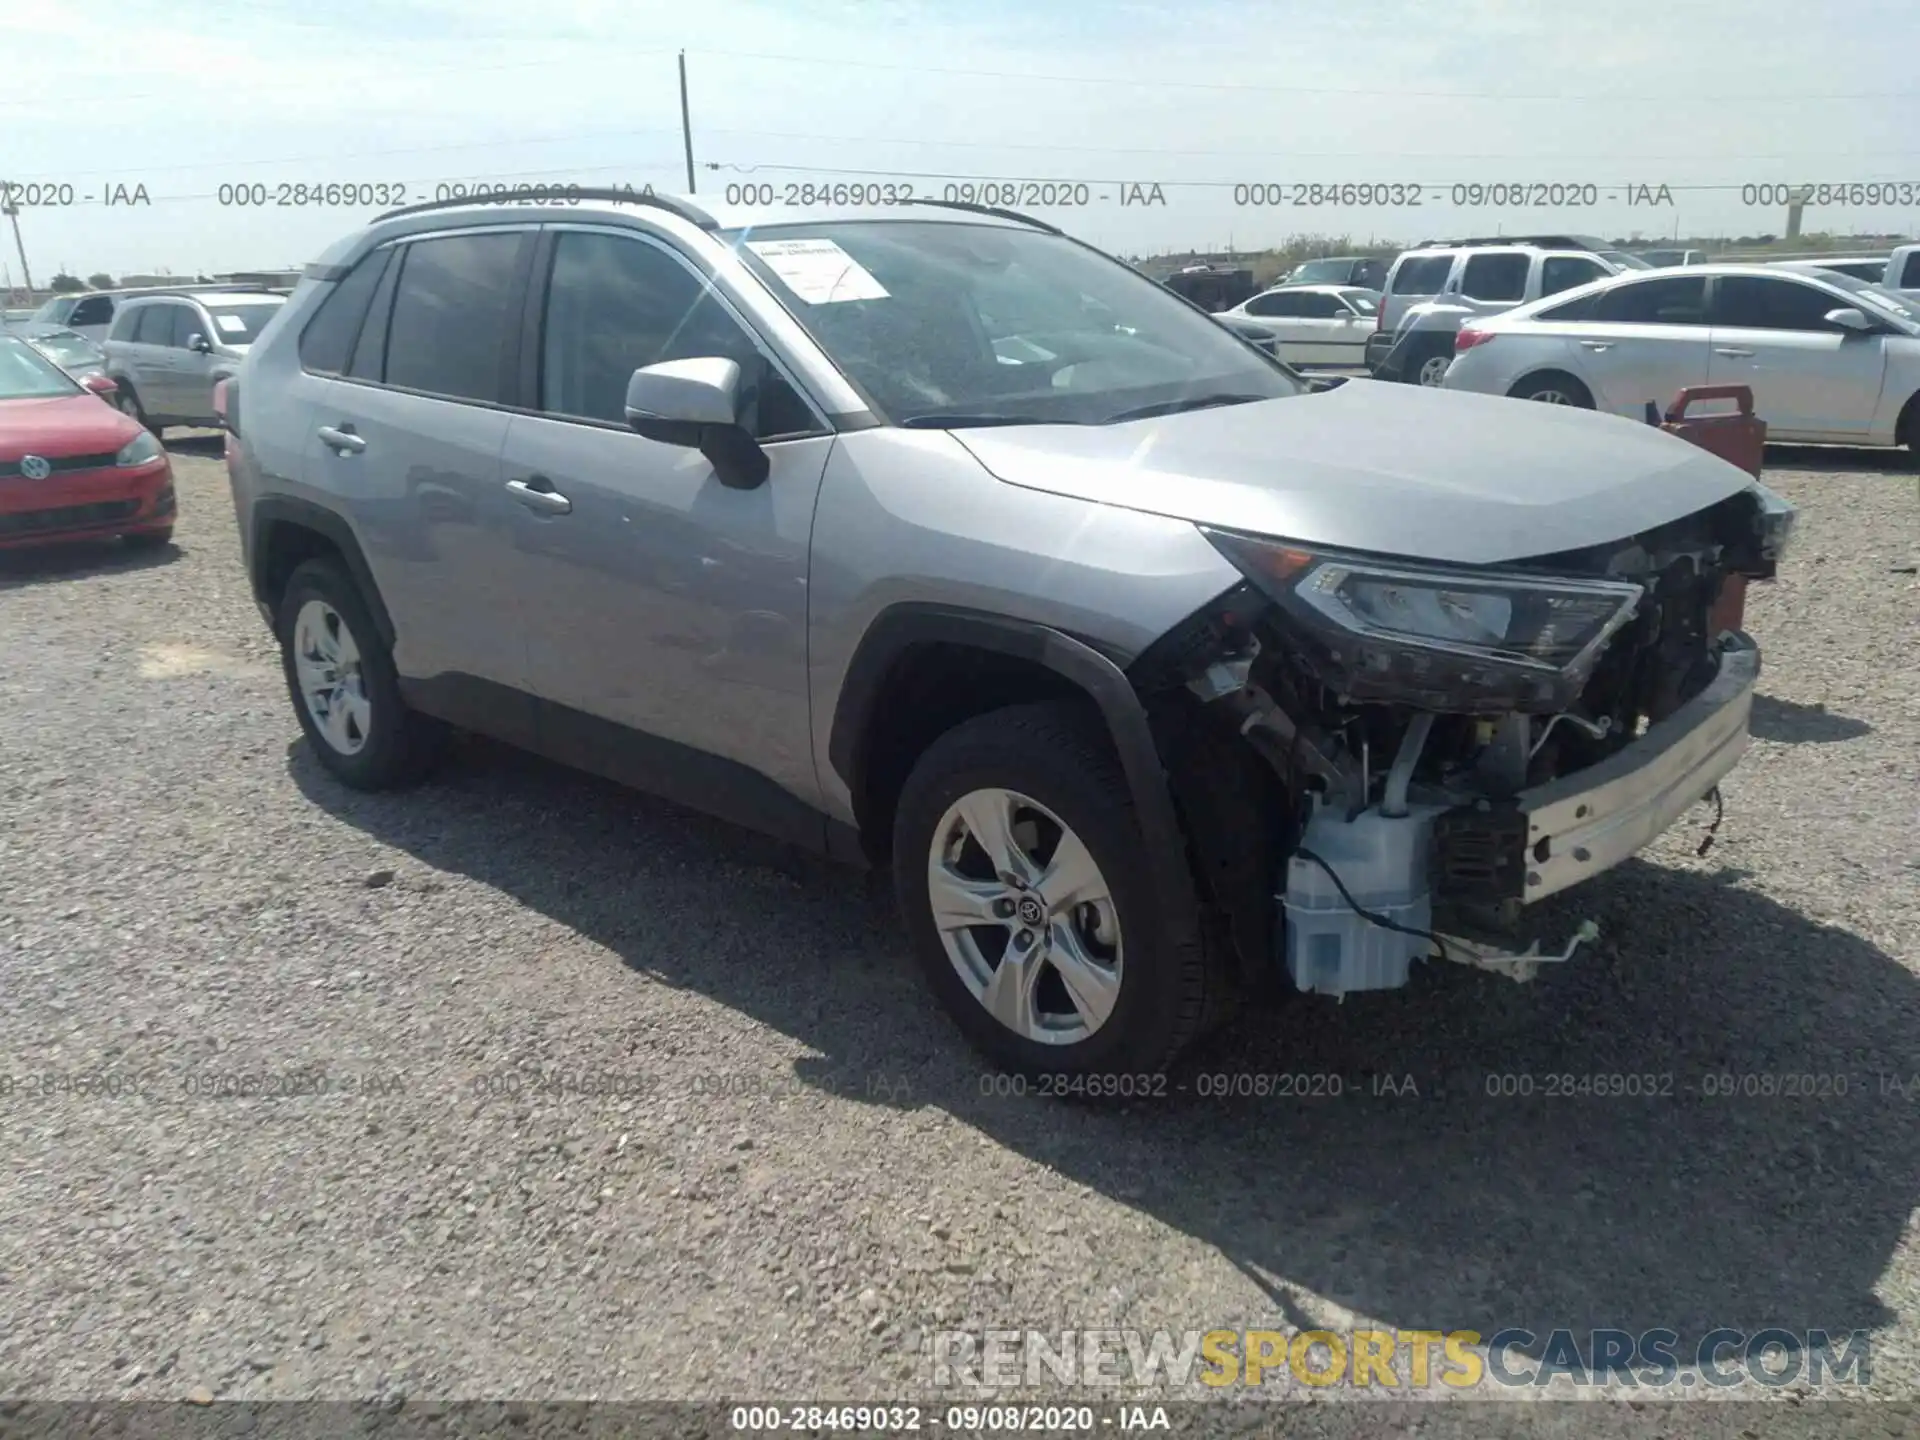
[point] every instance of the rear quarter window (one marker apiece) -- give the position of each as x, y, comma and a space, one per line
326, 344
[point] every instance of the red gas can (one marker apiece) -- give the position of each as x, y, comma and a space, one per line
1740, 438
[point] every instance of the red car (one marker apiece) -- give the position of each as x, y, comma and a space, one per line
72, 466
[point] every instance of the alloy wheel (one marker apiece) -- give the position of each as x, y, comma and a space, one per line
1434, 369
1025, 916
327, 661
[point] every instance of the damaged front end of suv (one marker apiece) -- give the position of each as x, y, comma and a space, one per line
1407, 757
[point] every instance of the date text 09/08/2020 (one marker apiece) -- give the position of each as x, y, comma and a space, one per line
1378, 193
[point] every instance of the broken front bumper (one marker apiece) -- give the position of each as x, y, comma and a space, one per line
1591, 820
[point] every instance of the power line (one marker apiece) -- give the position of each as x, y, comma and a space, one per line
106, 92
1143, 83
1281, 156
121, 171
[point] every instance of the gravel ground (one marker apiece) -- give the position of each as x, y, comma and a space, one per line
802, 1177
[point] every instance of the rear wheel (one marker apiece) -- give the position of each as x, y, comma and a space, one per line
1428, 364
344, 688
1028, 894
1554, 390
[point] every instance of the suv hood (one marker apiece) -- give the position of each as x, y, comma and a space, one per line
1391, 469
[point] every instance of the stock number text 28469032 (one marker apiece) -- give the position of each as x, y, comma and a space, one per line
1266, 194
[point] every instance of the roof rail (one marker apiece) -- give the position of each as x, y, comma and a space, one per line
693, 214
1552, 242
986, 210
141, 292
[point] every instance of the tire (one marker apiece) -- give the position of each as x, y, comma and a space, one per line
376, 743
1552, 389
127, 400
148, 539
1427, 366
1909, 432
1144, 998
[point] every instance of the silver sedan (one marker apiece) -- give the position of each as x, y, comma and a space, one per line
1829, 358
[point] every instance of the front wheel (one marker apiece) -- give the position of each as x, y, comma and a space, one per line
1027, 891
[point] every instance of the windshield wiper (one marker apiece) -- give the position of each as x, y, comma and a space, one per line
971, 422
1174, 407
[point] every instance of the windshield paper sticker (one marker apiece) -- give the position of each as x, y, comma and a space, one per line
818, 271
231, 323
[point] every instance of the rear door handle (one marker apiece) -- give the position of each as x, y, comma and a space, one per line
1596, 344
536, 492
1732, 350
342, 440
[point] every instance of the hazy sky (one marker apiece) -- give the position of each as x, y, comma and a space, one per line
1703, 96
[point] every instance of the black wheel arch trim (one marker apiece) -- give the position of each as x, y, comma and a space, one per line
270, 510
1097, 675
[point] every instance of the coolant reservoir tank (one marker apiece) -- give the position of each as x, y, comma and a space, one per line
1382, 861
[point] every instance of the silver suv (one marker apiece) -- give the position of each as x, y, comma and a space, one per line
167, 352
933, 539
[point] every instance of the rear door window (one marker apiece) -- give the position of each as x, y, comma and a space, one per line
454, 310
1274, 305
1563, 272
1671, 300
1422, 275
1498, 276
1910, 273
1320, 307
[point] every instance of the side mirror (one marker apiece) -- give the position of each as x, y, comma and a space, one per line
100, 384
1848, 318
198, 343
696, 404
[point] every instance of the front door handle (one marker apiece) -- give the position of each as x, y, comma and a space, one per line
342, 440
1596, 344
1732, 350
536, 492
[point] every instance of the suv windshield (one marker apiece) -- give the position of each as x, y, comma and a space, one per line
26, 374
940, 322
242, 324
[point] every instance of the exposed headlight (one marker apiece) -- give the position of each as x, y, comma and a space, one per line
1777, 517
1454, 639
143, 449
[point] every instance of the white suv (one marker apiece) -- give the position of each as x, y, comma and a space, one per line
1433, 288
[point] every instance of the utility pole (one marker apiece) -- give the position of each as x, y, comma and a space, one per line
686, 125
12, 209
